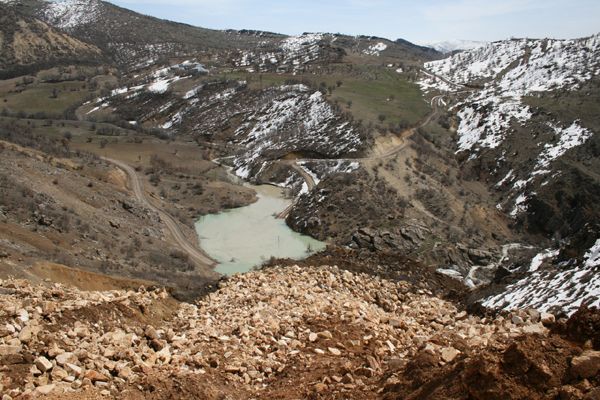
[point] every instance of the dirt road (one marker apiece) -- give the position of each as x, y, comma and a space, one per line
310, 183
436, 102
200, 258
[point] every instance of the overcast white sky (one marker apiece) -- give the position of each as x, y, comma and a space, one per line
420, 21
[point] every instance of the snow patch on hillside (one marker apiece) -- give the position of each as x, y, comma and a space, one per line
521, 67
503, 73
592, 257
555, 288
70, 14
295, 46
159, 81
483, 129
375, 49
481, 63
539, 259
300, 50
554, 64
568, 138
449, 46
520, 205
297, 119
159, 86
509, 176
429, 83
292, 54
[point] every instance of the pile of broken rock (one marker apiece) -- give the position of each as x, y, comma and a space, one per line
314, 330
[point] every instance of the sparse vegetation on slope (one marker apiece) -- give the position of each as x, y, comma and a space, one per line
51, 219
119, 130
27, 45
528, 128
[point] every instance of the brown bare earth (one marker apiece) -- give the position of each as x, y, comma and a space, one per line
83, 279
178, 175
174, 229
285, 333
531, 367
26, 41
59, 208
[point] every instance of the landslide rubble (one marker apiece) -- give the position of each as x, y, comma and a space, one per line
282, 332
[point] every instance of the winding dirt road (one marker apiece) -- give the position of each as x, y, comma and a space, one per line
310, 183
436, 103
200, 258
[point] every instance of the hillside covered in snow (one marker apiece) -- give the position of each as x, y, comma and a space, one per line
517, 132
450, 46
497, 80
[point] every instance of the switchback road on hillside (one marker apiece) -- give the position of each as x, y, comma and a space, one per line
436, 102
198, 256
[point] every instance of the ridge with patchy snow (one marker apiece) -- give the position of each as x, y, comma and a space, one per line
503, 73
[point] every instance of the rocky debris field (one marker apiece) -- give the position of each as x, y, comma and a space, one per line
285, 332
392, 266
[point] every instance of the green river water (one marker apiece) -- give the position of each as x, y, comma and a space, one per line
244, 237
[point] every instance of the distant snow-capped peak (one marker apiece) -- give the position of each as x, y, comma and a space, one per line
449, 46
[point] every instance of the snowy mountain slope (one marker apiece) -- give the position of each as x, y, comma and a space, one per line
296, 120
133, 39
450, 46
71, 14
559, 289
291, 54
541, 64
542, 160
375, 49
298, 53
261, 125
128, 37
506, 72
297, 46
